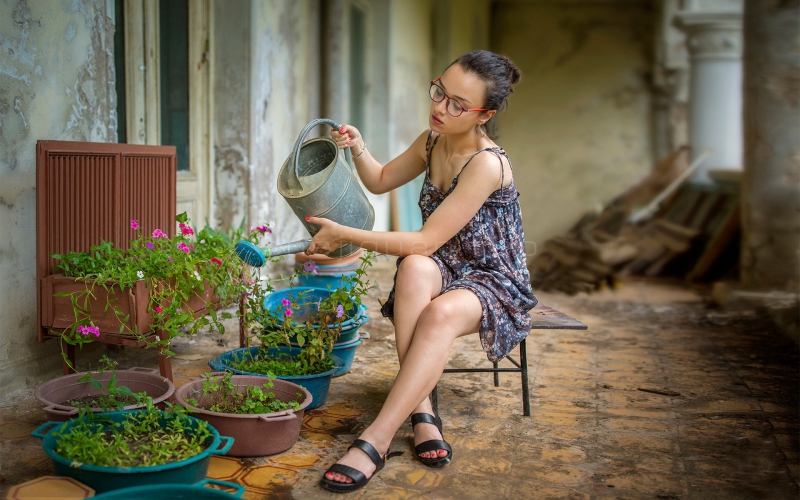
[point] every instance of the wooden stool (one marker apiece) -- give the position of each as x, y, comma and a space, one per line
542, 318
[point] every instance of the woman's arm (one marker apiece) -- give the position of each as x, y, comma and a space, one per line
479, 180
379, 179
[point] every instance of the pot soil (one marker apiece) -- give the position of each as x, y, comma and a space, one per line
254, 435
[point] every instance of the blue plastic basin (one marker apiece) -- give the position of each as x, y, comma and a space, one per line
347, 352
318, 385
308, 304
103, 478
196, 491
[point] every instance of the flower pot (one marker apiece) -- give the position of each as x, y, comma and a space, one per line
353, 260
255, 435
324, 280
346, 351
196, 491
53, 393
104, 478
318, 385
308, 304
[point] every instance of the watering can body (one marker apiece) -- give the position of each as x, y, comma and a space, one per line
319, 180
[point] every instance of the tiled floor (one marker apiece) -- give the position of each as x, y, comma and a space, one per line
731, 433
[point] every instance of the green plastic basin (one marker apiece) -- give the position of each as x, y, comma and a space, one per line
196, 491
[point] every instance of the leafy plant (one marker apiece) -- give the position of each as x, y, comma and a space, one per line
145, 438
221, 395
115, 397
174, 270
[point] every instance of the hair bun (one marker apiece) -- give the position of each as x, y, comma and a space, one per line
514, 74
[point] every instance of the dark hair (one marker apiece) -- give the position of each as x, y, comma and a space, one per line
499, 74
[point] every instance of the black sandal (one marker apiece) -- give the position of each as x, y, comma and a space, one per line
432, 444
358, 477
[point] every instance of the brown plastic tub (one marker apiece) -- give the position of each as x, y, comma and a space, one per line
53, 393
253, 435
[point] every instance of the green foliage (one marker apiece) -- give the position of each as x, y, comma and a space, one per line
221, 395
114, 396
144, 438
282, 365
174, 271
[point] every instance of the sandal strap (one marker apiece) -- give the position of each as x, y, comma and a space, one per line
426, 418
433, 445
370, 450
356, 475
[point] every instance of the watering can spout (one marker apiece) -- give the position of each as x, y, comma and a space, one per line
257, 257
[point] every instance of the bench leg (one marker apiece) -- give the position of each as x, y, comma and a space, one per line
523, 361
496, 376
435, 400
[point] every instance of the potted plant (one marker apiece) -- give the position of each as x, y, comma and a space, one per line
311, 317
158, 284
113, 450
103, 390
244, 406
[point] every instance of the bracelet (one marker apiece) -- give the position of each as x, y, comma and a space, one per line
362, 151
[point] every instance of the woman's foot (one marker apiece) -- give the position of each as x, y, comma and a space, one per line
427, 432
357, 459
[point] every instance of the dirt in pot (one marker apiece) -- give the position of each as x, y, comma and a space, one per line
101, 401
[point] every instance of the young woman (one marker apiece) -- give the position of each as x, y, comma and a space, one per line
463, 272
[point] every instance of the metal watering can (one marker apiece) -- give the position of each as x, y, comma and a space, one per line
320, 180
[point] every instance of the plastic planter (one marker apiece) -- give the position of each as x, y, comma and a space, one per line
196, 491
346, 351
318, 385
308, 304
103, 478
62, 389
255, 435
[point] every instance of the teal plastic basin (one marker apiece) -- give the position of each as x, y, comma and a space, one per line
196, 491
102, 478
318, 385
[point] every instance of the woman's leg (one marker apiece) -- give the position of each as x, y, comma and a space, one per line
419, 281
447, 317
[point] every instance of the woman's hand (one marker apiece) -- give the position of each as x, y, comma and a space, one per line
348, 136
328, 237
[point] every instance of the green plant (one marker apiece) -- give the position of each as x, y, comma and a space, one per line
145, 438
220, 395
174, 270
317, 334
115, 397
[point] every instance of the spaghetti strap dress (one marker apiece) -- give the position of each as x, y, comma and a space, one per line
486, 257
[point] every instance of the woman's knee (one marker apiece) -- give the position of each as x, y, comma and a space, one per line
437, 317
416, 271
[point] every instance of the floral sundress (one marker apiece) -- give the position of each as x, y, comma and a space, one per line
486, 257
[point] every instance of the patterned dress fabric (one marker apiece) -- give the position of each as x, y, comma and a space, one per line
486, 257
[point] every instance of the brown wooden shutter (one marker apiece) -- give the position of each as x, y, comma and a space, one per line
87, 191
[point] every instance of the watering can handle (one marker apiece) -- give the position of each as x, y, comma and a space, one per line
299, 143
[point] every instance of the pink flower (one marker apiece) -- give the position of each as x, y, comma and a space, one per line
264, 229
149, 245
178, 310
184, 247
287, 312
310, 267
216, 261
87, 329
134, 224
158, 309
170, 259
339, 311
186, 230
159, 234
285, 302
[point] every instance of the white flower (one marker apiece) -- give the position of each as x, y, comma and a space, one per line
140, 274
203, 242
197, 275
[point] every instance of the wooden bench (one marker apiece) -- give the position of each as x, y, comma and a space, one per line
542, 318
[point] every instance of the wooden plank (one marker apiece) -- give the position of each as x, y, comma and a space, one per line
719, 241
547, 318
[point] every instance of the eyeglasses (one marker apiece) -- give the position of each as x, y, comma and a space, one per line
453, 107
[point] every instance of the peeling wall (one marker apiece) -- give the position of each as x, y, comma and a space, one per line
284, 97
56, 82
577, 127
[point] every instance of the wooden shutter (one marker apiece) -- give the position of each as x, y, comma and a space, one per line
88, 191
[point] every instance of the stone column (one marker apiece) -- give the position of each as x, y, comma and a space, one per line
715, 88
771, 179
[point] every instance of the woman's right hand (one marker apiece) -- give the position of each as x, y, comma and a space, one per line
348, 136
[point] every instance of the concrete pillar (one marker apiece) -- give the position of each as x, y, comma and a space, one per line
771, 180
715, 88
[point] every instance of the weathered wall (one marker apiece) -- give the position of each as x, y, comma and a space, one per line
577, 128
56, 82
231, 86
460, 26
771, 180
284, 96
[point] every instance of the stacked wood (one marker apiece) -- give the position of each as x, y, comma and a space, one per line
599, 248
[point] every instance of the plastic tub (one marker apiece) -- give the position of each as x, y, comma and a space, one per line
62, 389
103, 478
196, 491
307, 305
318, 385
346, 351
276, 432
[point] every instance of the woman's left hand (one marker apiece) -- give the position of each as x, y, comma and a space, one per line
328, 237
